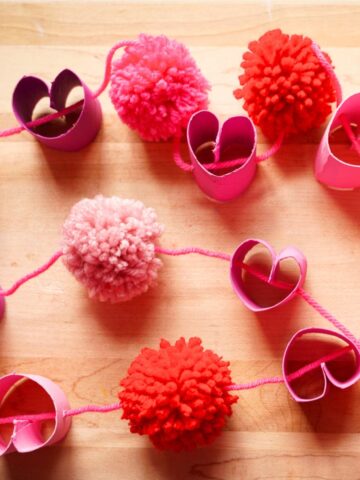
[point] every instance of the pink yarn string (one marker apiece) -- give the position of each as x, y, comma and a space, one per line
293, 376
29, 276
93, 408
216, 165
39, 417
57, 255
189, 250
179, 162
272, 150
327, 315
330, 71
53, 116
276, 283
108, 64
348, 130
41, 120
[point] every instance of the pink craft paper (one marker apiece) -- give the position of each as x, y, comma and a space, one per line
328, 377
204, 127
238, 258
330, 169
31, 89
26, 436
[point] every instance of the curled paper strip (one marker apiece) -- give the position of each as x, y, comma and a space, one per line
329, 169
238, 261
236, 140
27, 435
81, 127
336, 378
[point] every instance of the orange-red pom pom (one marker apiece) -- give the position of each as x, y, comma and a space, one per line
284, 86
177, 395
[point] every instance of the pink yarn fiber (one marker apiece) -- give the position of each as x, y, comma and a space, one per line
108, 244
156, 86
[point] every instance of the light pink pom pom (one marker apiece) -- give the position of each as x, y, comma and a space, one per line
108, 244
156, 86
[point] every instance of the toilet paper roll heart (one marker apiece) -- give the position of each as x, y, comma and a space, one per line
330, 169
27, 435
238, 266
79, 127
307, 378
209, 143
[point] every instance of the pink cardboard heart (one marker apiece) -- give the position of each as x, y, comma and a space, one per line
236, 269
26, 435
31, 89
327, 375
204, 127
330, 169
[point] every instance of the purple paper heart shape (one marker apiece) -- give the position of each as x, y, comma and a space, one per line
27, 435
330, 169
85, 122
236, 271
236, 138
328, 368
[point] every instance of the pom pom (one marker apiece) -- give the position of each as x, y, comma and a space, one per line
177, 395
284, 86
108, 244
156, 86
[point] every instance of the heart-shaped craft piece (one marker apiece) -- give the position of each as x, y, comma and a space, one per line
27, 435
237, 270
310, 364
209, 143
85, 122
329, 169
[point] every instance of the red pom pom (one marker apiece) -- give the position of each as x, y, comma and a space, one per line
284, 86
177, 395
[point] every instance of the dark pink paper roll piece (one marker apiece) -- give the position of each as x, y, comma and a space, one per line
237, 133
31, 89
330, 169
236, 270
326, 373
27, 436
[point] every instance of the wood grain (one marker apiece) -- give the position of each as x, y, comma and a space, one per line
51, 328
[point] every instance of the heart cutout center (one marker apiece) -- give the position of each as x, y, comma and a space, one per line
263, 279
26, 397
284, 277
33, 99
211, 143
340, 144
335, 360
57, 126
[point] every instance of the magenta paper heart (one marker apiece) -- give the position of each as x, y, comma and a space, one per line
327, 375
236, 270
330, 169
26, 436
237, 134
82, 131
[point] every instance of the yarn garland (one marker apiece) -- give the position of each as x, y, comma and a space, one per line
110, 245
178, 395
287, 86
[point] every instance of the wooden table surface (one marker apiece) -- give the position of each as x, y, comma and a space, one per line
51, 327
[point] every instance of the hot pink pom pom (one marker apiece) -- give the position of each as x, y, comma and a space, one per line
156, 86
108, 244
